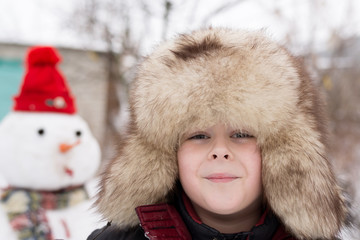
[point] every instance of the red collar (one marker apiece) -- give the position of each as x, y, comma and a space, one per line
160, 221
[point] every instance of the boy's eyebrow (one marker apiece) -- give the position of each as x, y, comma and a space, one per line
189, 48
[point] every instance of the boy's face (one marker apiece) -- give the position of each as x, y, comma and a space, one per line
220, 170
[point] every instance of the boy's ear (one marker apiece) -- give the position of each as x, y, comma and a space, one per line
140, 175
299, 184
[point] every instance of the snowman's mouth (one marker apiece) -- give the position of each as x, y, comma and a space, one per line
68, 171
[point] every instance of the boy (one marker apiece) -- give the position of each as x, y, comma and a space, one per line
226, 141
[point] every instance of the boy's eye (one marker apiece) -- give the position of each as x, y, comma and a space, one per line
199, 136
241, 135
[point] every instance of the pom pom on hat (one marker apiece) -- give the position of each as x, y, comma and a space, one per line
42, 55
44, 89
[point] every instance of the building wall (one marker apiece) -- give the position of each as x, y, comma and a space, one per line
85, 72
11, 71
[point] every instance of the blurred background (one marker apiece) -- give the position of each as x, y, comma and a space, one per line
101, 42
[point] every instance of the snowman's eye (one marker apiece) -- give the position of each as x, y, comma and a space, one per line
41, 132
78, 133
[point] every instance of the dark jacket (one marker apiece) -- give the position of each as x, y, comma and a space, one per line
178, 223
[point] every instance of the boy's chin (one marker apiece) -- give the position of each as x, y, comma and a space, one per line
224, 206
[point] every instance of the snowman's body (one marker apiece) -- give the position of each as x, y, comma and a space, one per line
48, 152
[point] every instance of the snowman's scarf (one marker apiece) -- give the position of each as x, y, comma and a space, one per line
26, 209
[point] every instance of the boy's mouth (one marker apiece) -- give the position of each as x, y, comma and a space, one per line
221, 177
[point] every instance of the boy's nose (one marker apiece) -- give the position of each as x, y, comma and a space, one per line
220, 149
215, 156
220, 152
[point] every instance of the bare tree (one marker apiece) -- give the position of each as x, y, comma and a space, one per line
219, 10
121, 27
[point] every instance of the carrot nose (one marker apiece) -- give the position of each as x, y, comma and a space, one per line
64, 147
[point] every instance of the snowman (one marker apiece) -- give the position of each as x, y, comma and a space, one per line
48, 157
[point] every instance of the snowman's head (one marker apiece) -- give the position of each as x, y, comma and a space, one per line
47, 151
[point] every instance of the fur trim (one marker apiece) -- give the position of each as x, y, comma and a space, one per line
247, 81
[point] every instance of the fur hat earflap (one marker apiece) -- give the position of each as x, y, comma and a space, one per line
239, 78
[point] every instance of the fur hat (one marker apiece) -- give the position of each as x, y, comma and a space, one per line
242, 79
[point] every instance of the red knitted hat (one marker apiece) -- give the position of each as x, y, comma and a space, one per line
44, 89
